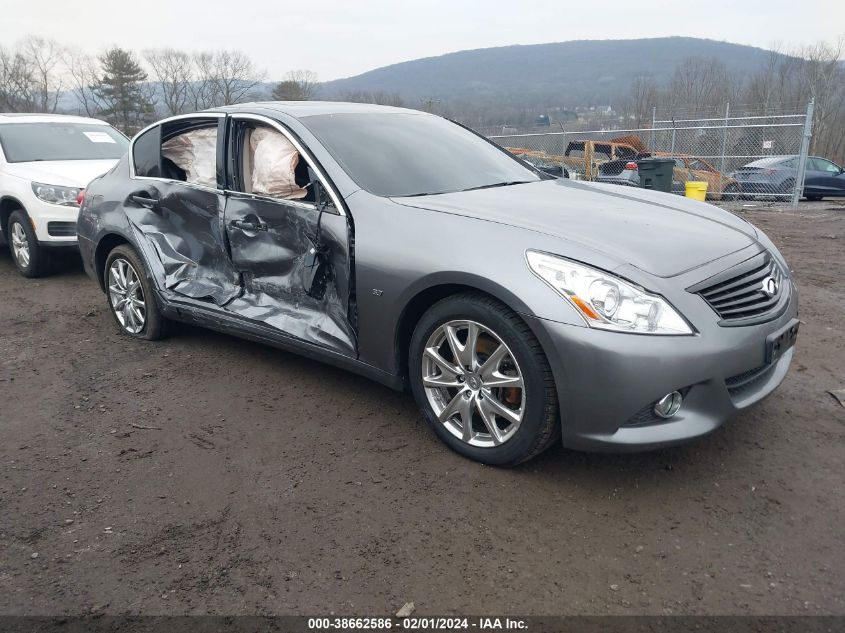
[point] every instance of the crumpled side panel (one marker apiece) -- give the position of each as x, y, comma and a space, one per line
273, 268
185, 241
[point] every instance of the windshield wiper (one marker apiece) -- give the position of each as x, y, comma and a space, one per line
499, 184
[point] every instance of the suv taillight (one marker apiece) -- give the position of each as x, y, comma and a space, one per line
80, 197
631, 165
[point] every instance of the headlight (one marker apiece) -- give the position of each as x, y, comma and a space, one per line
65, 196
605, 301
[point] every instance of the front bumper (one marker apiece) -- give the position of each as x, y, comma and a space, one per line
55, 225
608, 382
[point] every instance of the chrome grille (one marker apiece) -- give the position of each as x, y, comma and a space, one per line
740, 293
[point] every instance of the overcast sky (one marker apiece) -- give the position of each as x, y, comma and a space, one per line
344, 38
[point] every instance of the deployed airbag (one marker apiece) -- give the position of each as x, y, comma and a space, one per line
274, 164
195, 152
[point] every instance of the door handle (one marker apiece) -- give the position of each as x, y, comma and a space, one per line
144, 200
245, 225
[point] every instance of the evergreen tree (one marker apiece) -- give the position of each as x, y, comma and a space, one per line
121, 89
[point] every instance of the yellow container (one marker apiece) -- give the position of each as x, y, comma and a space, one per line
697, 189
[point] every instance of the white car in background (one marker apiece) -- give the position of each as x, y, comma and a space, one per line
46, 161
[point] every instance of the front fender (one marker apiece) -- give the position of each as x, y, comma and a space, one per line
401, 252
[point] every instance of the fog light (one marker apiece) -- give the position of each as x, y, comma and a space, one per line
668, 405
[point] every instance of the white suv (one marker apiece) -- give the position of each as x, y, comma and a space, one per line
46, 161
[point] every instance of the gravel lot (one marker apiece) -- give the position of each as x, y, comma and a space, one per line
205, 474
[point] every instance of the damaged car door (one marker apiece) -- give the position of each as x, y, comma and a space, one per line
177, 206
288, 237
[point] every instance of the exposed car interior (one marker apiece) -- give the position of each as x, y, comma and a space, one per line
270, 166
193, 154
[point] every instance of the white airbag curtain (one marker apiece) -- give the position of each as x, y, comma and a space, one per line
195, 152
274, 164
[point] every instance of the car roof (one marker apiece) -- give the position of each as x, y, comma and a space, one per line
302, 109
27, 117
770, 160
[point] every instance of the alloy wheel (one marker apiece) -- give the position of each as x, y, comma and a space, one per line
20, 245
126, 296
473, 383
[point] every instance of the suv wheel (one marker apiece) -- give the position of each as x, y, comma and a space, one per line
130, 295
482, 381
28, 255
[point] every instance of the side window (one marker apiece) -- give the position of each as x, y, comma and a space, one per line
146, 156
189, 151
679, 163
602, 152
268, 164
826, 165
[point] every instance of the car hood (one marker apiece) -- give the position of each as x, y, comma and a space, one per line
662, 234
65, 173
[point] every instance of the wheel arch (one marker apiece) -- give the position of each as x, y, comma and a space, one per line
8, 205
105, 245
424, 298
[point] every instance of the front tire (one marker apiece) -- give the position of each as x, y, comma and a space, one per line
29, 256
130, 295
482, 381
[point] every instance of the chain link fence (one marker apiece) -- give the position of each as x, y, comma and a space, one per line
753, 157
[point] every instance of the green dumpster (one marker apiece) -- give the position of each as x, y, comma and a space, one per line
656, 173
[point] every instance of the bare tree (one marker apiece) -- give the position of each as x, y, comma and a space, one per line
762, 90
822, 77
15, 82
83, 73
201, 89
223, 78
788, 82
44, 56
298, 85
174, 72
700, 87
30, 78
641, 100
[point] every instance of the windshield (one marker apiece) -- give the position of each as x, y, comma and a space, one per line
396, 154
24, 142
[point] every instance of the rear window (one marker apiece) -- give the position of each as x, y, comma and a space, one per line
29, 142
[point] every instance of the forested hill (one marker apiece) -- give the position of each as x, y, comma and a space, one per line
575, 73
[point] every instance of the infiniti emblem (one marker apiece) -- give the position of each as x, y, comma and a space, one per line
770, 286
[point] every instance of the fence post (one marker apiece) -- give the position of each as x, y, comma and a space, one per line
724, 145
802, 157
653, 125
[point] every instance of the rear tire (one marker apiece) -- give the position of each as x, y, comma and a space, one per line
463, 386
31, 259
130, 295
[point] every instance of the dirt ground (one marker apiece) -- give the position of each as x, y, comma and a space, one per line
205, 474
